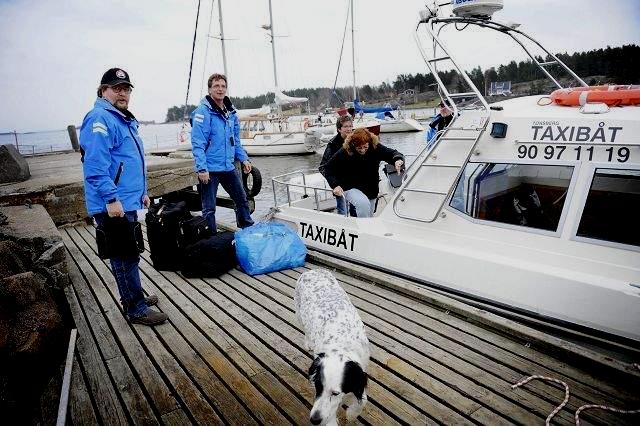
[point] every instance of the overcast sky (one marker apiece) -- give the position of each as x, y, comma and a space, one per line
53, 53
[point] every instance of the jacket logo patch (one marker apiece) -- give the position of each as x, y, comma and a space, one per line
100, 128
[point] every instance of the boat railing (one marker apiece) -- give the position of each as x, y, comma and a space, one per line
285, 180
288, 184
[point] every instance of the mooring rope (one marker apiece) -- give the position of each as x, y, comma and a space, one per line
566, 399
549, 379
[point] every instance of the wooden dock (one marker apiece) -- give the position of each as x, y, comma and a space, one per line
232, 353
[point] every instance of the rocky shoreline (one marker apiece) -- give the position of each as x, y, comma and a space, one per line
34, 318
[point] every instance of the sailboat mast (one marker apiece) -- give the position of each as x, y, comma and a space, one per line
353, 54
273, 46
206, 50
224, 53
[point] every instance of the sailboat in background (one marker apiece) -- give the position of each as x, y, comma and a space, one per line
274, 134
391, 118
265, 131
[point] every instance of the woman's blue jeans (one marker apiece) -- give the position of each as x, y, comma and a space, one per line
127, 275
364, 206
230, 181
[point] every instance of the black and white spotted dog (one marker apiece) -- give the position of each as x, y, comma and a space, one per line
335, 334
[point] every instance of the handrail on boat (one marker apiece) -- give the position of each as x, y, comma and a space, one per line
279, 180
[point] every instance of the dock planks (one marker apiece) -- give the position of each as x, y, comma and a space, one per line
233, 353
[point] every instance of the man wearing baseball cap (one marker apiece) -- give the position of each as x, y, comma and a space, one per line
115, 187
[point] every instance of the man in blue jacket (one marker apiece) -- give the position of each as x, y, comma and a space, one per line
215, 142
115, 182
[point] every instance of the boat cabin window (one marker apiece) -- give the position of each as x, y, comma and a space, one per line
611, 210
530, 195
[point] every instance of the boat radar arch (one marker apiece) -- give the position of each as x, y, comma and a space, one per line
476, 8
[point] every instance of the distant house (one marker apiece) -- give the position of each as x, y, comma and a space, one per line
498, 88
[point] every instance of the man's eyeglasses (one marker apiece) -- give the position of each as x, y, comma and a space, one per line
121, 89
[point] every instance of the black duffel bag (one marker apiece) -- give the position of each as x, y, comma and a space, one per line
163, 233
210, 257
193, 230
116, 237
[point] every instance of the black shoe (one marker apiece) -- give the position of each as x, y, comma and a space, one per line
150, 318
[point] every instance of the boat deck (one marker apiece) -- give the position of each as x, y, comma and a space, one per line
232, 353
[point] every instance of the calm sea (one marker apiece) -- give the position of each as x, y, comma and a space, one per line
167, 135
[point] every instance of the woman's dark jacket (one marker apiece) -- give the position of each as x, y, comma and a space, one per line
332, 147
359, 171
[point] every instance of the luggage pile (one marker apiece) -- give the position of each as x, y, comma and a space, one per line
179, 241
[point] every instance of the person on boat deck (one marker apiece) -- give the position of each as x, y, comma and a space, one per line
353, 171
115, 186
443, 119
344, 125
215, 143
439, 122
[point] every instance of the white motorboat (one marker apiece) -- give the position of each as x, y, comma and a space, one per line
399, 124
263, 136
524, 206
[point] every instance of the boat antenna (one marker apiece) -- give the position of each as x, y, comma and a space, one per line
193, 48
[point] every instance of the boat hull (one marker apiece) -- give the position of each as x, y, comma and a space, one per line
279, 144
402, 125
500, 271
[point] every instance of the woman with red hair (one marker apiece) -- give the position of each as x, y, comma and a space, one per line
353, 170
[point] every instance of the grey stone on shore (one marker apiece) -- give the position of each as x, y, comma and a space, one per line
21, 290
31, 227
13, 166
13, 259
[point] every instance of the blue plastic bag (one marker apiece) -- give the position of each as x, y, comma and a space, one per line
268, 247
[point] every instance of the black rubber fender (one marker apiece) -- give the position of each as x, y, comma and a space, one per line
256, 179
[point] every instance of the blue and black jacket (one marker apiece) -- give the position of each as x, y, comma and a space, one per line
215, 137
113, 159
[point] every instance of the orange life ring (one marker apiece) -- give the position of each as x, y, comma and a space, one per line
306, 123
610, 95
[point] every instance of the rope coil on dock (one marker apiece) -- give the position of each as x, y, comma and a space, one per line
566, 399
549, 379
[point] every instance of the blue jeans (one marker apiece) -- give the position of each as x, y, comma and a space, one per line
363, 205
127, 275
341, 206
230, 181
